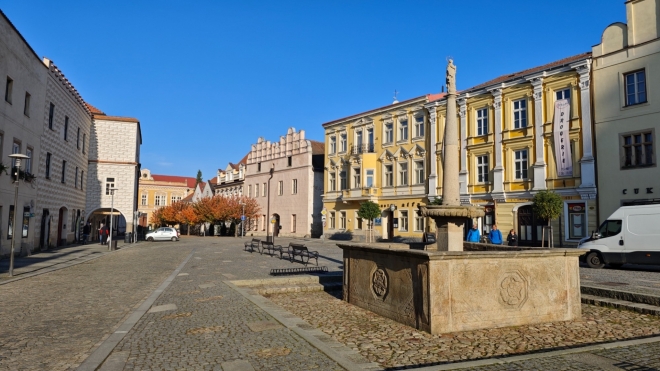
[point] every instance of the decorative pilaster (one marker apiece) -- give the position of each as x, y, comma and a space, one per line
432, 156
498, 170
587, 161
463, 175
539, 167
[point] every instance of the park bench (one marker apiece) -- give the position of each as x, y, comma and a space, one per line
254, 244
296, 250
271, 247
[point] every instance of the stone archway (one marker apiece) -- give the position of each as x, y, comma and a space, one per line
102, 216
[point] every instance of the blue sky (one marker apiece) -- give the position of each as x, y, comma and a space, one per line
207, 78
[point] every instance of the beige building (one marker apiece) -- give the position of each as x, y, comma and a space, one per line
157, 191
296, 182
626, 69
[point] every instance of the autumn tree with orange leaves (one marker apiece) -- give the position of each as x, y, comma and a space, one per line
235, 207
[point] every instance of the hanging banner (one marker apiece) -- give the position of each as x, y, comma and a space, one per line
563, 156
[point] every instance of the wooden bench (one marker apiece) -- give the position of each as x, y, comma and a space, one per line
254, 244
296, 250
271, 247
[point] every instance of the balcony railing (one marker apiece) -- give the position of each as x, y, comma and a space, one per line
362, 148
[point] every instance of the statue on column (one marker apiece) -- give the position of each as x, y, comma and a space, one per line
451, 76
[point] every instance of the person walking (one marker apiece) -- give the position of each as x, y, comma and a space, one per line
495, 235
473, 234
86, 229
512, 238
105, 235
101, 233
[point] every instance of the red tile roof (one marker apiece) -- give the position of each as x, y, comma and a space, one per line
94, 110
244, 159
517, 75
188, 198
434, 97
318, 148
190, 182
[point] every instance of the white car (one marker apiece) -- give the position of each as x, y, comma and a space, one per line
163, 234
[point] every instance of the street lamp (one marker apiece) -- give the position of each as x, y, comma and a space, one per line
112, 211
242, 219
272, 170
16, 157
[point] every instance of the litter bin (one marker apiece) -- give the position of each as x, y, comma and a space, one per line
269, 238
128, 237
113, 246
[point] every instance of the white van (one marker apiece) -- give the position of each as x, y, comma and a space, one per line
631, 235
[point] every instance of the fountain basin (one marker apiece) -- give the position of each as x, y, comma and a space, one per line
448, 291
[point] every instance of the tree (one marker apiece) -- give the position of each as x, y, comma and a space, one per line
547, 205
199, 178
369, 210
188, 216
236, 205
157, 217
436, 201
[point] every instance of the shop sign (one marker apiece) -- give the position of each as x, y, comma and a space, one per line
377, 221
563, 156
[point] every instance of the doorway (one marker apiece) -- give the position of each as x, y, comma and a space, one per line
276, 225
60, 226
45, 230
529, 227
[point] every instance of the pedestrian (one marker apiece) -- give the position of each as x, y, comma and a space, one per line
495, 235
86, 229
473, 234
512, 238
105, 235
101, 233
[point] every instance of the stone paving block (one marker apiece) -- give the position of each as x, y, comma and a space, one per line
206, 285
263, 326
162, 308
182, 274
238, 365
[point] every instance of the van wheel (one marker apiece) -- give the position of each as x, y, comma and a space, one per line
150, 239
594, 261
615, 265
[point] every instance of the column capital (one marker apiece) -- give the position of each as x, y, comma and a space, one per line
497, 93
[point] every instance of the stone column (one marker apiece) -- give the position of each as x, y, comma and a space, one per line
498, 170
587, 160
464, 174
539, 166
433, 158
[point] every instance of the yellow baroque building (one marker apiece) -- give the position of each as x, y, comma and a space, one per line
511, 144
378, 155
157, 191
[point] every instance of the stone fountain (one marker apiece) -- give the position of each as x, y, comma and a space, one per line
448, 289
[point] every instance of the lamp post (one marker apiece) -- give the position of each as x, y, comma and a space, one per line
112, 211
272, 170
17, 157
243, 220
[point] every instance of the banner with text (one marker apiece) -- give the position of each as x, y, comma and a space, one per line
563, 156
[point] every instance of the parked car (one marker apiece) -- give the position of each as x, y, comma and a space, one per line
163, 234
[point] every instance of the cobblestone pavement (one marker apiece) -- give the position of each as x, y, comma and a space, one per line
53, 321
637, 279
207, 323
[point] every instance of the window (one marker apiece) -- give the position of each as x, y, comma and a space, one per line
358, 221
635, 88
577, 220
289, 161
419, 224
83, 144
403, 221
110, 183
342, 180
332, 220
294, 186
280, 187
78, 139
159, 200
638, 149
419, 172
419, 126
403, 174
28, 162
356, 177
370, 178
82, 178
332, 178
175, 199
482, 169
48, 156
389, 176
563, 94
343, 143
264, 190
15, 148
520, 161
26, 222
403, 129
333, 145
293, 223
26, 106
259, 167
389, 133
75, 180
144, 200
482, 121
8, 88
63, 171
610, 228
66, 127
342, 220
250, 190
256, 190
51, 114
520, 114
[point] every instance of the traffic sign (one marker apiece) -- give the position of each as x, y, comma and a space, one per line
242, 217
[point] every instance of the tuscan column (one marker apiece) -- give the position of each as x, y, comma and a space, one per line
498, 170
587, 160
433, 157
539, 166
464, 174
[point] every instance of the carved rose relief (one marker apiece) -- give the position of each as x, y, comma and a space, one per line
379, 282
513, 289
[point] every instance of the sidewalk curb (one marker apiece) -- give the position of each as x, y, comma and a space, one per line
99, 355
65, 265
349, 359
